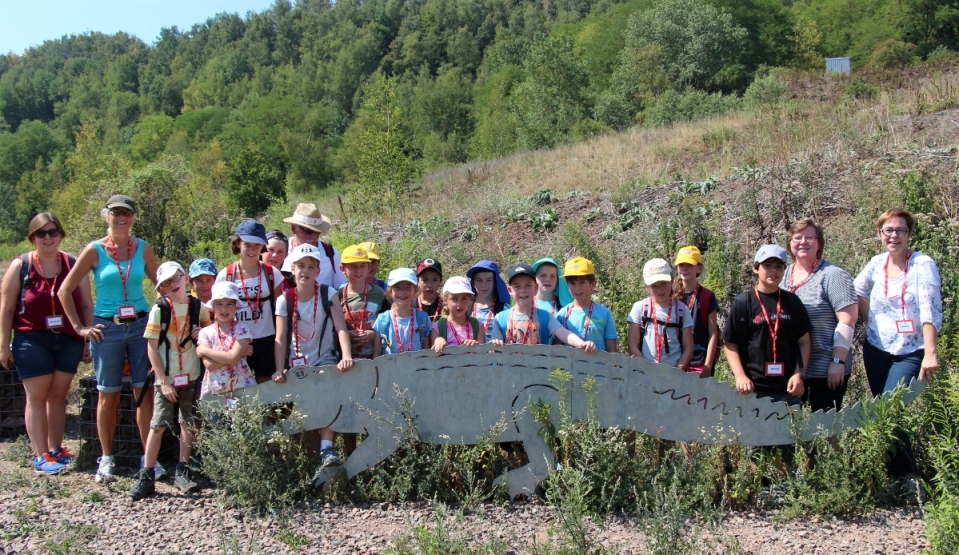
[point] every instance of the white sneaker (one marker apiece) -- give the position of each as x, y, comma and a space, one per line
158, 471
105, 469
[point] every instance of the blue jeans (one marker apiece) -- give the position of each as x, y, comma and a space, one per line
38, 353
885, 372
121, 343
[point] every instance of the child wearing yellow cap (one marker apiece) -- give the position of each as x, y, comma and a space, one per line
703, 307
584, 317
361, 301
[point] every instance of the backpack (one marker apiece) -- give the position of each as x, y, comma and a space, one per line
193, 317
324, 294
231, 273
328, 249
703, 301
648, 320
441, 326
25, 266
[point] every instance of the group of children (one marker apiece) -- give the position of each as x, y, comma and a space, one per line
256, 322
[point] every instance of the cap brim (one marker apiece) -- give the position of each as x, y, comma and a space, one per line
322, 228
239, 303
657, 278
201, 273
774, 257
252, 239
520, 274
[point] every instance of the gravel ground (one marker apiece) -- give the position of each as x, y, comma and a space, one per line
72, 514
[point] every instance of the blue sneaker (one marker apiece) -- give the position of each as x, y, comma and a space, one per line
47, 464
63, 456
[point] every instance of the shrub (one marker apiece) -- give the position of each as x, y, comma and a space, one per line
892, 53
859, 90
765, 91
673, 107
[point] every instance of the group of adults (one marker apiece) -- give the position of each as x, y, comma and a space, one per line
47, 307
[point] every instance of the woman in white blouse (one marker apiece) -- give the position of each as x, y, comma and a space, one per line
901, 304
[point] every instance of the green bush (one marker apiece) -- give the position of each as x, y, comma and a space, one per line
673, 107
892, 53
764, 91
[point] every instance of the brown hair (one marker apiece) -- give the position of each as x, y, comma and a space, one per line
801, 225
42, 219
896, 213
235, 245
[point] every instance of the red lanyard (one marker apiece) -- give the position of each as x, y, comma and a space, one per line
179, 339
116, 259
794, 288
222, 340
692, 299
773, 330
456, 336
439, 308
489, 315
257, 309
589, 319
53, 295
296, 327
529, 326
657, 341
905, 271
396, 329
361, 325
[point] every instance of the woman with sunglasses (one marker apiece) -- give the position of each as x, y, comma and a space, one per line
119, 262
901, 303
46, 349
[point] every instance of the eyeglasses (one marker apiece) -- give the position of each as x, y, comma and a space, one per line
175, 279
804, 239
121, 212
51, 233
890, 231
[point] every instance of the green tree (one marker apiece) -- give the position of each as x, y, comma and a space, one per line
151, 136
254, 181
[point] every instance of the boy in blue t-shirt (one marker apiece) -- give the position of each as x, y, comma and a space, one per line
585, 318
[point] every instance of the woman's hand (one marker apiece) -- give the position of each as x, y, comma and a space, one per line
837, 375
91, 333
6, 357
930, 363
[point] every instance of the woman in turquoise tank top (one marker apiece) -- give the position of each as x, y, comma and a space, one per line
119, 262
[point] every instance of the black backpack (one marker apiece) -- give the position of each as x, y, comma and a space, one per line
193, 317
324, 294
25, 266
648, 320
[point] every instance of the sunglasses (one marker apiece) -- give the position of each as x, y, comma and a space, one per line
42, 233
121, 212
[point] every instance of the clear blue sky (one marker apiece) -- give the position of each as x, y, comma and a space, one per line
26, 23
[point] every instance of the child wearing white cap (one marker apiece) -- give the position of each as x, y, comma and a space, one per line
224, 345
403, 328
767, 333
454, 327
660, 328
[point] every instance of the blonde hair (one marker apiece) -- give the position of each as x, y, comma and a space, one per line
42, 219
897, 213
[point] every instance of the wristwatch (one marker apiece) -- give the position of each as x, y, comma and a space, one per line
838, 361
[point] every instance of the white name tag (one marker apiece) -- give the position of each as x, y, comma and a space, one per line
231, 402
54, 322
905, 326
181, 380
127, 312
297, 361
775, 369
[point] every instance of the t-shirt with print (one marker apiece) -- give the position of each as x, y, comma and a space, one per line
485, 316
600, 321
923, 302
670, 350
362, 316
512, 326
177, 331
226, 378
457, 335
747, 328
828, 290
700, 328
258, 316
409, 339
309, 322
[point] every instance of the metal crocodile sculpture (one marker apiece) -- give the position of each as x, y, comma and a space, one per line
459, 394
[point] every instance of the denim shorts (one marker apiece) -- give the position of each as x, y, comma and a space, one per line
39, 353
121, 342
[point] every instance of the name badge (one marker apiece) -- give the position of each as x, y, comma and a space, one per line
905, 326
231, 402
297, 361
181, 380
127, 312
775, 369
54, 322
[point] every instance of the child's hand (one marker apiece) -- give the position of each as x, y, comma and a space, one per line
279, 376
470, 343
361, 337
195, 334
201, 351
796, 386
439, 344
248, 352
744, 385
345, 364
589, 347
496, 342
169, 392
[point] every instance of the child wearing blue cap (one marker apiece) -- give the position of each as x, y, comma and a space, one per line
403, 328
553, 290
202, 277
492, 296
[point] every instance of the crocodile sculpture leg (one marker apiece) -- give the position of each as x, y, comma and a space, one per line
525, 479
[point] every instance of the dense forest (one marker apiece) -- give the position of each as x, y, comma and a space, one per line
364, 95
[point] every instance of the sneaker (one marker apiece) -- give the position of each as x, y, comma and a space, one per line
328, 457
47, 464
182, 480
145, 485
63, 456
105, 469
159, 472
